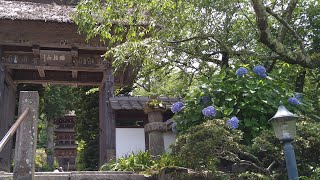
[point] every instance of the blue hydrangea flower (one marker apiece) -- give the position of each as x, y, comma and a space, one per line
209, 111
233, 123
241, 71
294, 101
177, 107
260, 71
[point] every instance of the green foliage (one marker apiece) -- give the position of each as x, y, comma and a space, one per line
140, 161
252, 175
306, 147
42, 132
57, 101
87, 128
153, 104
252, 99
41, 161
208, 146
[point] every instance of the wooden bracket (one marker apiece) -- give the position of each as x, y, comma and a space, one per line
74, 74
41, 73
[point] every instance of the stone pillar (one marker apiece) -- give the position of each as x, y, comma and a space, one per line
7, 114
107, 141
155, 129
26, 137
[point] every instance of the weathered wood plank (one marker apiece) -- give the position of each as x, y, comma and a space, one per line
7, 112
32, 76
107, 119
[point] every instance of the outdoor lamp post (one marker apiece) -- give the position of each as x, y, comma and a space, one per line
284, 125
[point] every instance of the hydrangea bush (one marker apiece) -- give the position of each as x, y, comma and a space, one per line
248, 98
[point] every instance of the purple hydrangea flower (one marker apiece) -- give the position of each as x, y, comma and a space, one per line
209, 111
294, 101
233, 123
176, 107
241, 71
260, 71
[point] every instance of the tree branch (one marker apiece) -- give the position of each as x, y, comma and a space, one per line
249, 163
287, 15
283, 22
292, 57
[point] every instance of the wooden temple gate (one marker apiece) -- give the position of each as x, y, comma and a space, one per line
46, 49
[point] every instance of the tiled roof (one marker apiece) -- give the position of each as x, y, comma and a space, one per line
137, 102
35, 11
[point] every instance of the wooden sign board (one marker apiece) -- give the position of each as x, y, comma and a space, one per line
52, 58
18, 59
59, 58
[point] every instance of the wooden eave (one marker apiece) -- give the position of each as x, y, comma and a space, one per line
28, 49
137, 102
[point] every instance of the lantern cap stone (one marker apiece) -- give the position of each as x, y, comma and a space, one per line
283, 112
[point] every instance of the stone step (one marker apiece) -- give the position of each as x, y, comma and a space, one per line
81, 175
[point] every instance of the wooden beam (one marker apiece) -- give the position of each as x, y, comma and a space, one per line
52, 59
69, 83
33, 75
10, 81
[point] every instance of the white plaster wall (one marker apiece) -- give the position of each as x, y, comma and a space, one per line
169, 138
129, 140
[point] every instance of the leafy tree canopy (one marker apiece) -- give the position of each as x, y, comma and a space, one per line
203, 31
197, 38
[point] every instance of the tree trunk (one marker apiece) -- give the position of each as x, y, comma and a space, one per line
300, 81
50, 143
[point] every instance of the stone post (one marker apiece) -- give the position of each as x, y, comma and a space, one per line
26, 137
155, 129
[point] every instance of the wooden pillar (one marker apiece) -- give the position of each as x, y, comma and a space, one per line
155, 129
7, 114
26, 137
107, 145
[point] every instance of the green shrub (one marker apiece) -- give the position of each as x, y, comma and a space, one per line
41, 164
141, 161
209, 146
306, 145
